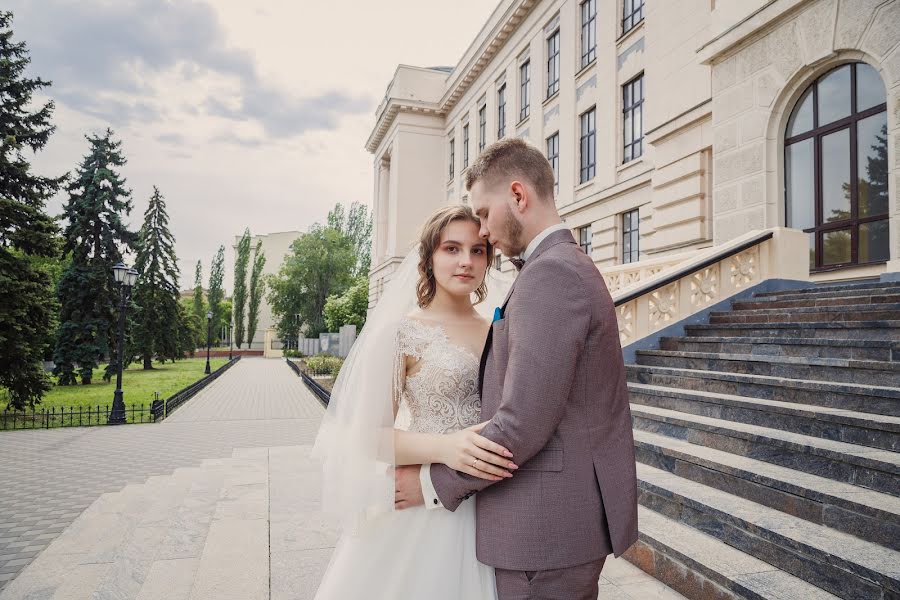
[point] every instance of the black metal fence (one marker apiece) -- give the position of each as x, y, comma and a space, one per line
84, 416
308, 375
163, 408
73, 416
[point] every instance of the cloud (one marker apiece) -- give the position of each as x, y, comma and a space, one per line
171, 138
105, 59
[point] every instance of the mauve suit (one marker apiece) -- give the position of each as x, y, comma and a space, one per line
553, 387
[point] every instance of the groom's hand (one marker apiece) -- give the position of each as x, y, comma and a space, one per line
407, 488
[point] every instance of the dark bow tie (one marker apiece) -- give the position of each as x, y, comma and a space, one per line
517, 263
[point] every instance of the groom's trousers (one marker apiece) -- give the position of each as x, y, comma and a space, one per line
572, 583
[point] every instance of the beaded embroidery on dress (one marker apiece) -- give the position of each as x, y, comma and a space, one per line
442, 395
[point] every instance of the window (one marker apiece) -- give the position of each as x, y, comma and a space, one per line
630, 237
588, 145
633, 119
553, 157
452, 156
501, 111
836, 169
466, 146
632, 14
588, 32
524, 84
585, 239
497, 261
553, 63
482, 128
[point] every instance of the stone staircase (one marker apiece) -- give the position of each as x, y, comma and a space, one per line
768, 448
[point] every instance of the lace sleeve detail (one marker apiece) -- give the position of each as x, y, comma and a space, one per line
412, 338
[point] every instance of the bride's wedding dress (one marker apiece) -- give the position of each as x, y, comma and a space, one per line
418, 553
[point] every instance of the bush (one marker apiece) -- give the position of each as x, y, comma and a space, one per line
293, 354
325, 364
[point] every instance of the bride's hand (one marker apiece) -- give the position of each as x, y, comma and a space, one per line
468, 452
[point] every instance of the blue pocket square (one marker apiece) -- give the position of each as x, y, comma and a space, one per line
498, 314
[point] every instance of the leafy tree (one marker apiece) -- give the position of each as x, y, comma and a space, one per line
321, 264
28, 236
257, 287
199, 307
191, 326
95, 235
216, 292
240, 286
356, 225
350, 308
156, 332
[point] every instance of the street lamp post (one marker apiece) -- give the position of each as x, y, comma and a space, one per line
208, 338
230, 340
125, 278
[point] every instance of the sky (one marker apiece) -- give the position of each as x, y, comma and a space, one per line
244, 114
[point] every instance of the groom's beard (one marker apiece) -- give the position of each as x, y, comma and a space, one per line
515, 247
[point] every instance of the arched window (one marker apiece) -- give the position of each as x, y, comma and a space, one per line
836, 168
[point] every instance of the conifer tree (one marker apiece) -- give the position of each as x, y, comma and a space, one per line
257, 288
157, 320
96, 236
241, 261
28, 236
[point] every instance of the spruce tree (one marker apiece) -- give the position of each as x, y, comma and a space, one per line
156, 332
95, 236
242, 259
216, 292
28, 236
257, 288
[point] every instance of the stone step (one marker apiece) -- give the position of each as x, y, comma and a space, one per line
864, 429
832, 290
854, 330
870, 298
814, 314
881, 350
842, 564
816, 369
880, 400
868, 514
858, 465
702, 567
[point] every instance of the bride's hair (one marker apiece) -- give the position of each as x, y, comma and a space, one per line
430, 239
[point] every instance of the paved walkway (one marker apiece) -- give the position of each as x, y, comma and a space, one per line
240, 522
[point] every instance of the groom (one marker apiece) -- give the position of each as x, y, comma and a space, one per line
553, 387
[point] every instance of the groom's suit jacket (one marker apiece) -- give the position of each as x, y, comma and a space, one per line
553, 387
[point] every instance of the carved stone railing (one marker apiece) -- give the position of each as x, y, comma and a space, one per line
672, 294
623, 277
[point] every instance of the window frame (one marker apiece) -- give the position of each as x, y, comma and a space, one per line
587, 141
465, 146
589, 30
452, 158
628, 153
635, 17
552, 143
501, 111
553, 62
817, 133
482, 128
586, 239
524, 89
631, 229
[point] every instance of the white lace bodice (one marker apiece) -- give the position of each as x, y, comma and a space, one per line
442, 395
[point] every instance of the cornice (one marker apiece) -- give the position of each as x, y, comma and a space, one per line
390, 113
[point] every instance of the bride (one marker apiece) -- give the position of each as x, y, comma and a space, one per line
408, 395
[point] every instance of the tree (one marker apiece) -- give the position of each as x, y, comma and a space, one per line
356, 225
321, 264
192, 327
156, 332
239, 298
350, 308
95, 235
257, 287
28, 236
216, 292
199, 308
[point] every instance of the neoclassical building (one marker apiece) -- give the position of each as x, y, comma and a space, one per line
673, 126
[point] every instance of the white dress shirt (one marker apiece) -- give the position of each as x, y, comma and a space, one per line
431, 497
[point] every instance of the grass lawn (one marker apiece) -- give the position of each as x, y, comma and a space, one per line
138, 386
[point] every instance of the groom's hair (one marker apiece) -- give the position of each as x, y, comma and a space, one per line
509, 159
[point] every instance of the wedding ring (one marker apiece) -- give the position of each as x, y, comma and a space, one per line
474, 462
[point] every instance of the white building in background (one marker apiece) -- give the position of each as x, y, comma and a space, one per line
275, 246
673, 125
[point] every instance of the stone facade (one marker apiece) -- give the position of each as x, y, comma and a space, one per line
719, 78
